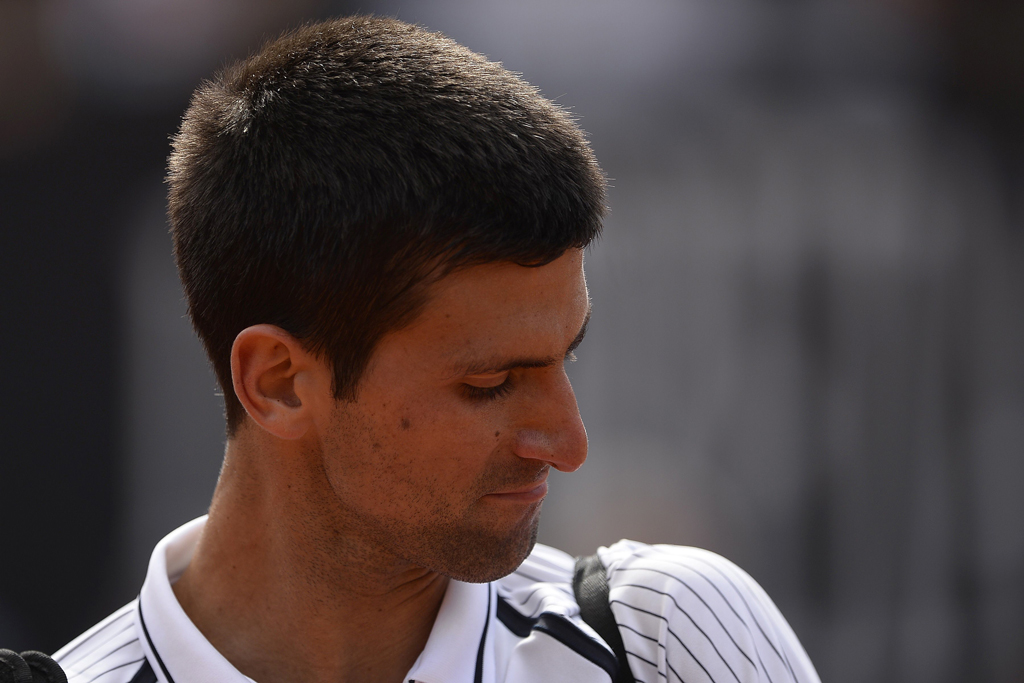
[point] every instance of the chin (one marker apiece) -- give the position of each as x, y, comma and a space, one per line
479, 556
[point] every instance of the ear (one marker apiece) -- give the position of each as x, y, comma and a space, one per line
276, 380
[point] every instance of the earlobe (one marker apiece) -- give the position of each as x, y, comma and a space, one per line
267, 364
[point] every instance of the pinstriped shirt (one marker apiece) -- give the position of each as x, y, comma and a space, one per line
684, 615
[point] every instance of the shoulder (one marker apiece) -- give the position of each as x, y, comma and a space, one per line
109, 652
541, 584
545, 565
691, 614
541, 634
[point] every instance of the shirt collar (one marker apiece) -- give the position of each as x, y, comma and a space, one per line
176, 648
459, 648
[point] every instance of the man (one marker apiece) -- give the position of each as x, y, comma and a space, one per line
380, 236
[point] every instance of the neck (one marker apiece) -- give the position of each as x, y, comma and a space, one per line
286, 588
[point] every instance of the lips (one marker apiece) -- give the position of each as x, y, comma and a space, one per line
528, 493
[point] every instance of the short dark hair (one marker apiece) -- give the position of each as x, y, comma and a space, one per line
318, 184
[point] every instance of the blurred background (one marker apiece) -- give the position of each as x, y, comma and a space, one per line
806, 349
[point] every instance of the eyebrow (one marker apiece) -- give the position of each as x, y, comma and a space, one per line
491, 367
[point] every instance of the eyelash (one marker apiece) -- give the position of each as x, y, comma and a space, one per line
488, 393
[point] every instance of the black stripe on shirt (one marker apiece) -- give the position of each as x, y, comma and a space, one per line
144, 675
555, 567
483, 640
96, 633
670, 632
115, 668
781, 650
567, 633
152, 647
562, 630
81, 670
728, 603
785, 661
538, 590
77, 664
692, 621
529, 577
519, 624
659, 644
703, 602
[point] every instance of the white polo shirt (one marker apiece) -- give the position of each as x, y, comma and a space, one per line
684, 614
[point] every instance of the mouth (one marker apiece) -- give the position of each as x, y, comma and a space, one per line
529, 493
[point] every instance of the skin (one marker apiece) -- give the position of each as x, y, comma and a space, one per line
336, 526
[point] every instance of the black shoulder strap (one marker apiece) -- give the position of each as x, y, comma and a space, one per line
590, 584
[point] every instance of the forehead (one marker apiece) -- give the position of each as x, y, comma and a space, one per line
500, 308
503, 287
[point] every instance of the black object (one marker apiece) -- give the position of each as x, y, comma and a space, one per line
29, 667
590, 584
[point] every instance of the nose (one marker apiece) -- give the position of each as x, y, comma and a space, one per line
551, 429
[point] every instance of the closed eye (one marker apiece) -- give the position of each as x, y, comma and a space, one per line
487, 387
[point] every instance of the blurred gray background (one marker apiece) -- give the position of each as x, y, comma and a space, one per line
807, 350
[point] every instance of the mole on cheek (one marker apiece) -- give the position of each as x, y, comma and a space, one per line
497, 434
406, 423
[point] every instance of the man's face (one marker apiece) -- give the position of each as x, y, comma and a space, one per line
443, 458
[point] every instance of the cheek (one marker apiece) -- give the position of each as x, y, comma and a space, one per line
415, 457
449, 436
